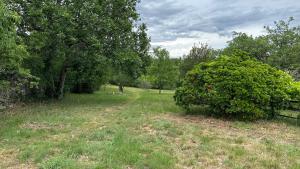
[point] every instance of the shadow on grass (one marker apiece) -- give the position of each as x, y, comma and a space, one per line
291, 117
109, 96
289, 121
203, 110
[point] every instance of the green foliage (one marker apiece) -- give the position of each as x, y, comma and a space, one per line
87, 74
12, 53
280, 47
13, 77
142, 47
144, 82
163, 71
74, 42
257, 47
198, 54
57, 33
295, 91
127, 44
236, 86
127, 67
285, 46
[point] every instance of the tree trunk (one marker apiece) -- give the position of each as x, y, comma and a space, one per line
160, 87
121, 88
61, 85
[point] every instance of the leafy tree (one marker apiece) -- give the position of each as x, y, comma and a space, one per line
130, 56
256, 47
163, 70
285, 46
142, 47
57, 33
13, 77
62, 35
12, 53
236, 86
126, 68
279, 48
144, 82
87, 74
198, 54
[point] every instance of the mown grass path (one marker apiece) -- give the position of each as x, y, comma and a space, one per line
136, 130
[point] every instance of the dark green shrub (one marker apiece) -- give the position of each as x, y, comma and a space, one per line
87, 74
236, 87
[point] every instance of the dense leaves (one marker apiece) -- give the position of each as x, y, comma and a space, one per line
76, 43
280, 47
163, 71
198, 54
285, 47
236, 86
13, 77
256, 47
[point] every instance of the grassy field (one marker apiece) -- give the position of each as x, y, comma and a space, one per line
138, 130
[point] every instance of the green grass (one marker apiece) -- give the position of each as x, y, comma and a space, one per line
139, 129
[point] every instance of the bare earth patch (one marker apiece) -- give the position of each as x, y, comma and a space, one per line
150, 130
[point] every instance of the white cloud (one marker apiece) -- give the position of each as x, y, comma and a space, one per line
181, 46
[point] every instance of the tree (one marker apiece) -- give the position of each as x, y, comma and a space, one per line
198, 54
13, 76
57, 33
142, 47
127, 68
256, 47
236, 86
62, 35
163, 70
87, 74
279, 48
127, 49
285, 46
131, 61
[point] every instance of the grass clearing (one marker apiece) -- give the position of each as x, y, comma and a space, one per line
139, 129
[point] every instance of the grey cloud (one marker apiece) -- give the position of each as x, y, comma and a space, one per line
171, 19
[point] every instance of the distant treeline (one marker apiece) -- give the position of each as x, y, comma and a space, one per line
279, 47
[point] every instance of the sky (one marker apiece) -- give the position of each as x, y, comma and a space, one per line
179, 24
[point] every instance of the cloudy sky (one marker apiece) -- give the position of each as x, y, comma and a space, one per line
178, 24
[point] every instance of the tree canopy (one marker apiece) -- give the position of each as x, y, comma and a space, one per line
197, 54
163, 70
77, 42
12, 53
280, 47
256, 47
